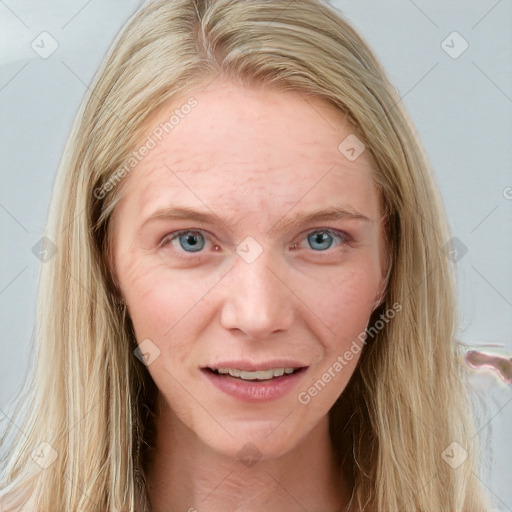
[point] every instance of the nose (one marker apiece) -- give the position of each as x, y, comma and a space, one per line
257, 298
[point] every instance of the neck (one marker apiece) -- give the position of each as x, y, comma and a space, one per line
185, 474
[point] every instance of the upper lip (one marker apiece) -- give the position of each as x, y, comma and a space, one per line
252, 366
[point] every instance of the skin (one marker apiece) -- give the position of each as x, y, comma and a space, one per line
255, 158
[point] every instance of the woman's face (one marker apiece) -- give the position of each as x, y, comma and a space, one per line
249, 283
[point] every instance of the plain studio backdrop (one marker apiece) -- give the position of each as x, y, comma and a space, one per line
452, 65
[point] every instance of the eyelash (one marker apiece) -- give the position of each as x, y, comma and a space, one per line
345, 238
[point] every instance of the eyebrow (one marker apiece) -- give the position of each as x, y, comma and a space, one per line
325, 214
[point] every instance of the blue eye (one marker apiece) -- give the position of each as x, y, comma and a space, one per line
324, 239
190, 241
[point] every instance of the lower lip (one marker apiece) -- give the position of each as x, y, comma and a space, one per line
253, 390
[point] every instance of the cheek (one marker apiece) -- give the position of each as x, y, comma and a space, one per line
345, 307
344, 303
160, 302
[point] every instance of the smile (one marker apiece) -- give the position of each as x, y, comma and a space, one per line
256, 375
261, 385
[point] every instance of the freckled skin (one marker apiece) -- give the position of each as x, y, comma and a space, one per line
255, 157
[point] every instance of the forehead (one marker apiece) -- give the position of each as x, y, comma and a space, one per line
250, 148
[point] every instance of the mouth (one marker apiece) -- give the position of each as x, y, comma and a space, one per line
255, 383
256, 375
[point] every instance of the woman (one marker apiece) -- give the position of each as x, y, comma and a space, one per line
251, 306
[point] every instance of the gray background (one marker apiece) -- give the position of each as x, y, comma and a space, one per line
461, 105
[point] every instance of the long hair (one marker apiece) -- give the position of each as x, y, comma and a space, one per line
88, 406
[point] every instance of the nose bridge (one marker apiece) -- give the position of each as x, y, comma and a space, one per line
256, 299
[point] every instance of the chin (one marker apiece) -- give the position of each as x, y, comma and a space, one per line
255, 440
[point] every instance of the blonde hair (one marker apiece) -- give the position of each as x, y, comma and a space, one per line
92, 400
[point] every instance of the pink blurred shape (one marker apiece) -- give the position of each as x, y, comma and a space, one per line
487, 358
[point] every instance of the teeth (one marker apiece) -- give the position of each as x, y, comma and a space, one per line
258, 375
